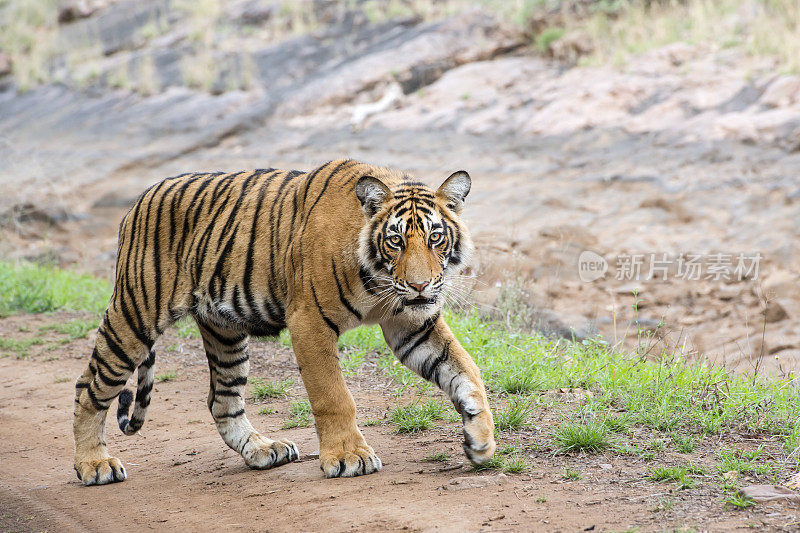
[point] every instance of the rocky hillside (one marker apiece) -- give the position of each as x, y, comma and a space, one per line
684, 149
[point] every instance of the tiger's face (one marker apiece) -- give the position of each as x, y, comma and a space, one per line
413, 241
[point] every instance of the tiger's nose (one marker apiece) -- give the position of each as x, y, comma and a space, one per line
418, 286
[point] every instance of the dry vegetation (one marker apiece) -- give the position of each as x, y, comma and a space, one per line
27, 35
622, 29
612, 31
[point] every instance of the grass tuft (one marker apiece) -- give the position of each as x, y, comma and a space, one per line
590, 436
683, 443
300, 412
738, 501
672, 473
273, 389
510, 459
515, 464
417, 417
437, 457
617, 424
744, 462
523, 382
164, 377
515, 415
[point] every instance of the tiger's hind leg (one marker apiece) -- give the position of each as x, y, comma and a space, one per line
229, 365
118, 351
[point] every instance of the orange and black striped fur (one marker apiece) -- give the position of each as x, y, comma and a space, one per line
251, 253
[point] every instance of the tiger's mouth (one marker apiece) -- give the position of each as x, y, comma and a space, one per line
420, 300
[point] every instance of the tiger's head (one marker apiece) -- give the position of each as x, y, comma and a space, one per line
414, 240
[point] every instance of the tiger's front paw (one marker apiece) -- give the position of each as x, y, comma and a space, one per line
261, 453
479, 444
358, 461
100, 471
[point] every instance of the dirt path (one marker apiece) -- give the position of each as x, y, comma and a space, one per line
182, 477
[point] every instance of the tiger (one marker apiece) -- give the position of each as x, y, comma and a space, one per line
252, 253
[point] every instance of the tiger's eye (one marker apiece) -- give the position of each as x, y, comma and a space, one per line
396, 240
436, 237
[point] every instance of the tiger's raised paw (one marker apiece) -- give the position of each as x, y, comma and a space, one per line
358, 462
261, 453
101, 471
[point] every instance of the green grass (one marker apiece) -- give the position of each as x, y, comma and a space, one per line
509, 458
74, 329
547, 37
515, 464
273, 389
166, 376
617, 424
417, 417
571, 474
300, 413
495, 463
367, 338
187, 328
683, 443
588, 435
672, 473
792, 440
515, 415
31, 288
744, 462
437, 457
521, 382
20, 347
738, 501
264, 410
669, 395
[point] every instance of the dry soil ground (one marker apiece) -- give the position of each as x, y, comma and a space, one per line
182, 477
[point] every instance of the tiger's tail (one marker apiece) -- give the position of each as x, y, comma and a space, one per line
145, 374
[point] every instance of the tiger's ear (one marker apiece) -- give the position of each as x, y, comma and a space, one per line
371, 192
455, 189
